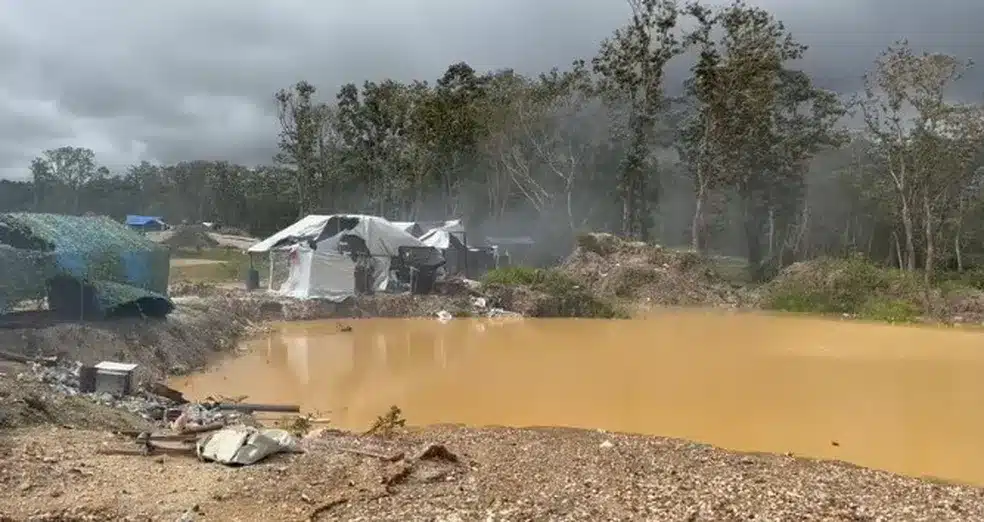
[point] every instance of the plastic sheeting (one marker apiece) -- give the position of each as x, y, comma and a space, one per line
440, 239
241, 445
382, 237
324, 274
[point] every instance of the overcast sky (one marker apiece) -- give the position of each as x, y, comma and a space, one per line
166, 81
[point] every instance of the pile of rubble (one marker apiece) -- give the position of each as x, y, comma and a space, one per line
220, 430
64, 377
155, 403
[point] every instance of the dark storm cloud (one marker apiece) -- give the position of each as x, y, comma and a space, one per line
180, 80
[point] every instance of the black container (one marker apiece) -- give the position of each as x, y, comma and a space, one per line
252, 279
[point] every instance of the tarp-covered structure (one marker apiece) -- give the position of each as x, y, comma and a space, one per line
145, 223
86, 266
420, 228
409, 227
449, 237
324, 252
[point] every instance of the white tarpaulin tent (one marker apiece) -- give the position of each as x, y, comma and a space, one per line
408, 226
440, 239
453, 226
325, 271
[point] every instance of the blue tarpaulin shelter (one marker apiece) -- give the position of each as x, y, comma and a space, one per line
145, 222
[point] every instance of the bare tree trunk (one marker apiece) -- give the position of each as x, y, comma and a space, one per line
772, 233
957, 252
907, 230
697, 224
930, 253
956, 236
627, 214
898, 249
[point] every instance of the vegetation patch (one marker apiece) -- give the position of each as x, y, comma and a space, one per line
539, 292
851, 286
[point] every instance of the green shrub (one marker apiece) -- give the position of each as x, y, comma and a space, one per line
973, 278
846, 286
889, 310
513, 276
564, 296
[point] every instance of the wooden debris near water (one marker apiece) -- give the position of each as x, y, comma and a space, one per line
162, 390
147, 450
16, 357
392, 457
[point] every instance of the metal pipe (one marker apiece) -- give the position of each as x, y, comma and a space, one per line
285, 408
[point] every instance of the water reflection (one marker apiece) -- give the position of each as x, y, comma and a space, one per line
903, 399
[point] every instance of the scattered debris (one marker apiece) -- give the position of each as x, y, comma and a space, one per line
444, 316
436, 452
167, 392
16, 357
392, 457
244, 445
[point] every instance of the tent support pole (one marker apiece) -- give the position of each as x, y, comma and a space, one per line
464, 243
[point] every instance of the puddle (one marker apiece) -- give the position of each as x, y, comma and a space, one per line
905, 399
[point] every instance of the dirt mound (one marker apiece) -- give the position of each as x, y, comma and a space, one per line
634, 270
191, 236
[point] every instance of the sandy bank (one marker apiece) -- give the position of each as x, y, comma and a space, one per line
499, 474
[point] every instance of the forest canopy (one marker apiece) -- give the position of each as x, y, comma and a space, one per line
749, 158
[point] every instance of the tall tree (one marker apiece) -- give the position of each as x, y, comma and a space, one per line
72, 167
300, 128
631, 65
911, 124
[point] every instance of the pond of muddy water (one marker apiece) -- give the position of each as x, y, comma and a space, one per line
904, 399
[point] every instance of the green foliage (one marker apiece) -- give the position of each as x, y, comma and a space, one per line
846, 286
564, 296
514, 275
955, 281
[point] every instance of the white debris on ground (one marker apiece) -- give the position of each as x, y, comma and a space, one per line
480, 309
63, 378
193, 415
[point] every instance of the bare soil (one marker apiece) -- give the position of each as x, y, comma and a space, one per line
649, 274
490, 474
228, 240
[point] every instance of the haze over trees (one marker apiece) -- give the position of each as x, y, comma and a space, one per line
749, 158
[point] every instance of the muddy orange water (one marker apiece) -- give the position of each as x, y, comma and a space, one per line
904, 399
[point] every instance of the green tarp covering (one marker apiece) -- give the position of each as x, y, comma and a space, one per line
120, 265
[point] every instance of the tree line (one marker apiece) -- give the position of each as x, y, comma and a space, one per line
750, 158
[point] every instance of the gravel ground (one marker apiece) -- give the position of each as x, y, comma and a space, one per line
497, 474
